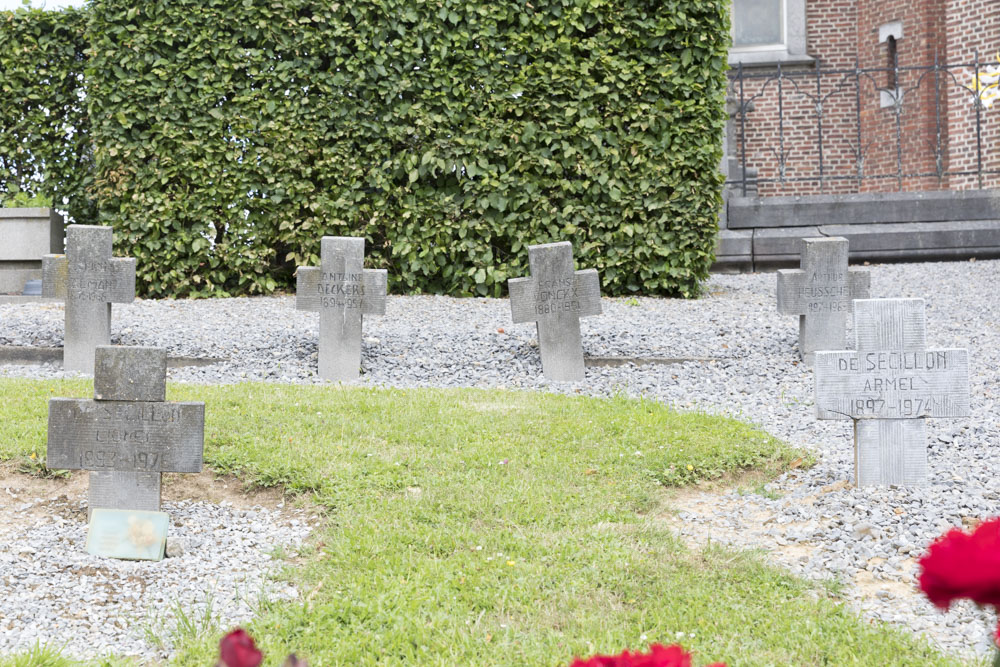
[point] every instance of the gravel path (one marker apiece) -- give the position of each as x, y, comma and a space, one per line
815, 523
52, 592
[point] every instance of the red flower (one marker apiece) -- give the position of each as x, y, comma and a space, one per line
997, 638
960, 565
237, 650
658, 656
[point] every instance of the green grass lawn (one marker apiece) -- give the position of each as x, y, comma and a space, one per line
468, 527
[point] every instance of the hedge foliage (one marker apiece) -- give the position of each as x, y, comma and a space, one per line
230, 135
45, 149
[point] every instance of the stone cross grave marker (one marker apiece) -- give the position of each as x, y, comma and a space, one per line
888, 385
128, 435
89, 280
821, 293
555, 297
342, 291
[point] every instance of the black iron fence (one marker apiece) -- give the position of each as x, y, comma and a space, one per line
947, 105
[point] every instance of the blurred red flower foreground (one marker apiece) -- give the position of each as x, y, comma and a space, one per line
658, 656
963, 565
237, 650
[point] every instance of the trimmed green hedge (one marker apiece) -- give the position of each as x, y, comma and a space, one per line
229, 136
44, 131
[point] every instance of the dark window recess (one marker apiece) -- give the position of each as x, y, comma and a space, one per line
890, 82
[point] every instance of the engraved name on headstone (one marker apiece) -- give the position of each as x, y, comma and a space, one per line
342, 291
555, 297
888, 385
821, 293
128, 435
89, 279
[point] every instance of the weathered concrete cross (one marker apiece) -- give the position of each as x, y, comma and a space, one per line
342, 290
128, 435
821, 293
555, 297
90, 280
887, 386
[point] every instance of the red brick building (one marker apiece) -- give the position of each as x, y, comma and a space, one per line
849, 96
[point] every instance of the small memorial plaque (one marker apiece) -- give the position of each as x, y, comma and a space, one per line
127, 534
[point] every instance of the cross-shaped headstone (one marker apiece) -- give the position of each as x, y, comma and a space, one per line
555, 297
128, 435
887, 386
821, 293
89, 280
342, 290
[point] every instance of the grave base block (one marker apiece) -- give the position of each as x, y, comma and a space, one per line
890, 451
124, 490
561, 349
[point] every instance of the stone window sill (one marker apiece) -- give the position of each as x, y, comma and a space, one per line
769, 58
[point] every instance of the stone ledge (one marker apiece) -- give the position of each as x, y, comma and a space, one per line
733, 251
915, 241
14, 299
882, 227
25, 213
866, 208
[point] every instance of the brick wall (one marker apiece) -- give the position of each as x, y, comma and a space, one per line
972, 25
830, 37
902, 138
935, 110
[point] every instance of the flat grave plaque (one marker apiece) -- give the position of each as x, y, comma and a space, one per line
127, 534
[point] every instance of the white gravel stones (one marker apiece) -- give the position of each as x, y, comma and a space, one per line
52, 592
754, 375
